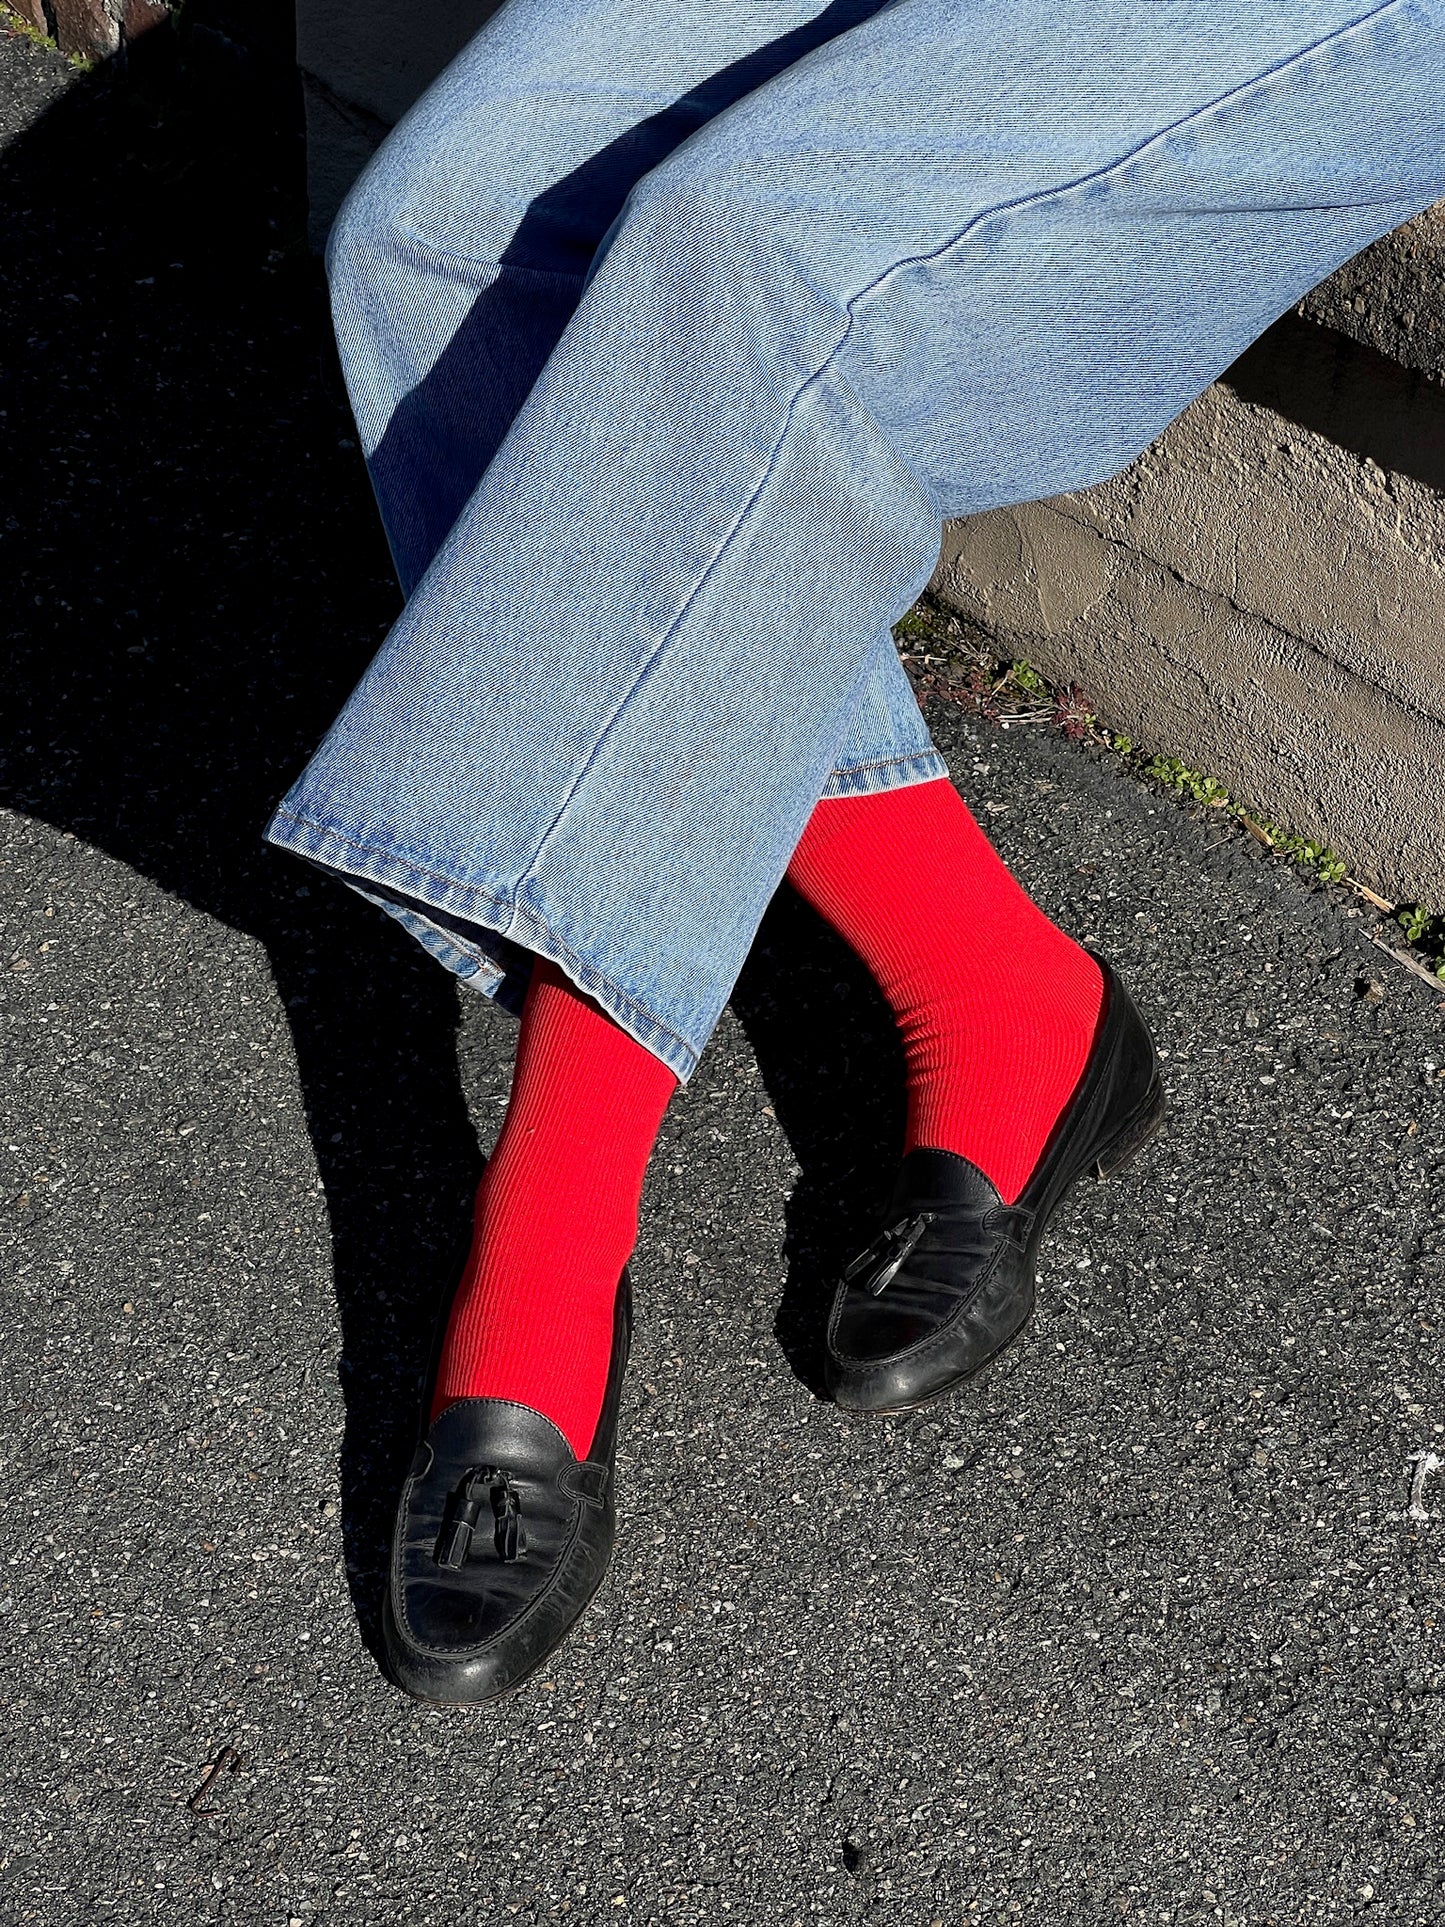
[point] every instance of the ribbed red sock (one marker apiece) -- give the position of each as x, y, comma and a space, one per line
997, 1006
556, 1214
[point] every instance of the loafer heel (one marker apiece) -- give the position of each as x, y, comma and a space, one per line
1134, 1135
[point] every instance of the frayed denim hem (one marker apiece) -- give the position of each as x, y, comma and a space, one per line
462, 925
888, 773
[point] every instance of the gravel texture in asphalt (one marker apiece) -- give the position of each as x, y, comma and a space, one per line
1144, 1625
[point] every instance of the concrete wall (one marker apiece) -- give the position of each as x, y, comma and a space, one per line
1392, 297
1262, 594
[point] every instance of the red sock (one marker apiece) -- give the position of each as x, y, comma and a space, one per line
556, 1214
997, 1007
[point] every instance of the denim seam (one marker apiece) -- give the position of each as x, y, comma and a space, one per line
877, 779
465, 957
646, 668
1122, 161
884, 762
404, 871
659, 647
479, 261
1004, 207
404, 863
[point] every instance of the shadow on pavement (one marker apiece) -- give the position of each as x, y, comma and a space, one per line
194, 577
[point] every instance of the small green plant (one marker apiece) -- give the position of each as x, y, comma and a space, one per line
1425, 929
1187, 782
915, 623
1024, 676
1415, 920
1167, 769
1309, 854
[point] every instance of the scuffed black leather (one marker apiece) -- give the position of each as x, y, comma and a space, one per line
901, 1335
471, 1632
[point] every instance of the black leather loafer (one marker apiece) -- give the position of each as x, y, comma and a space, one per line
950, 1280
502, 1537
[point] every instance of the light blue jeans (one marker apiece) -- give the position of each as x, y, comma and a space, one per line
675, 328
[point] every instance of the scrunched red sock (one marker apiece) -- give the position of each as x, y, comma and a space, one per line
997, 1007
556, 1214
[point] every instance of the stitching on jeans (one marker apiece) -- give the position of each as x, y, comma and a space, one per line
1122, 161
662, 641
480, 261
647, 668
637, 1010
374, 849
885, 762
443, 943
1003, 207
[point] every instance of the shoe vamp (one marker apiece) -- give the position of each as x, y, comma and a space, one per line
910, 1310
486, 1594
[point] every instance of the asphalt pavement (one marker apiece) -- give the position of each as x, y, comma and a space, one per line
1143, 1626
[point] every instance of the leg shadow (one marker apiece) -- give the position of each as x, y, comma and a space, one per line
830, 1058
194, 579
461, 410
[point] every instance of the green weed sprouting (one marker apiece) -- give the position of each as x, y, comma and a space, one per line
1188, 782
1425, 928
1024, 676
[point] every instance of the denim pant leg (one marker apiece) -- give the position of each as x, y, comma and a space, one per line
960, 255
540, 127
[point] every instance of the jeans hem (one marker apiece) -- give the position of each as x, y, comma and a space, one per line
887, 773
407, 891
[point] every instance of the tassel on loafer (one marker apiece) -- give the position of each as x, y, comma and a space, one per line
950, 1279
502, 1537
